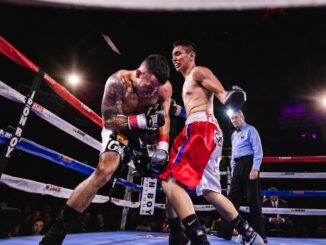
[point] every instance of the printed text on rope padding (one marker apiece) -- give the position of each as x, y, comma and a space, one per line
147, 204
22, 121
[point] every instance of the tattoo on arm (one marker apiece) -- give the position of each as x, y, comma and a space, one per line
115, 89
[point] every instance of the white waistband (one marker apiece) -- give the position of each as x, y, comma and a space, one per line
201, 116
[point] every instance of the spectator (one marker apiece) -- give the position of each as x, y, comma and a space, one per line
277, 225
100, 223
29, 218
37, 227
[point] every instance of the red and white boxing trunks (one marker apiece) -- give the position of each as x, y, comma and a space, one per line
196, 153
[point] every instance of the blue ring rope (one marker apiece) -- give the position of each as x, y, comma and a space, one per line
60, 159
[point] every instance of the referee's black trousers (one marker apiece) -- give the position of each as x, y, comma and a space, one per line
244, 188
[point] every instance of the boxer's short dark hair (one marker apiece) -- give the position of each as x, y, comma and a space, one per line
159, 66
185, 43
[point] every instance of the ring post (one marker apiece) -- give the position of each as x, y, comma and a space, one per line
17, 135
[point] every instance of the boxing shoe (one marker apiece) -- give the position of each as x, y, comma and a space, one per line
56, 234
61, 226
198, 236
252, 238
178, 238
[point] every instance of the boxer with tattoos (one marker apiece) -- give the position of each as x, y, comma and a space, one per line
135, 103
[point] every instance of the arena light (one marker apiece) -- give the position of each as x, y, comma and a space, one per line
229, 112
73, 79
323, 101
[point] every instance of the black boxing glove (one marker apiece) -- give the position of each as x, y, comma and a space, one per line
152, 119
160, 158
155, 117
235, 98
159, 161
176, 110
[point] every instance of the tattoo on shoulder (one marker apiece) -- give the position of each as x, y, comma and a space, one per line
115, 89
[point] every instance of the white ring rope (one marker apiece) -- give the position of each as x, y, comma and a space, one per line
289, 211
288, 175
47, 115
292, 175
60, 192
32, 186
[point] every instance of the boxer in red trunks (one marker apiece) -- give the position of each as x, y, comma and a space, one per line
196, 152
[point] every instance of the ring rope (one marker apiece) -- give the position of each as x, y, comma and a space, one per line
36, 187
47, 115
284, 193
60, 192
288, 175
46, 153
292, 175
58, 158
32, 186
289, 211
293, 193
290, 159
294, 159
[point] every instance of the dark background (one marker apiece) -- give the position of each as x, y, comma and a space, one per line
278, 56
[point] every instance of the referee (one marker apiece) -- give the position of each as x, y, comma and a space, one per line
246, 159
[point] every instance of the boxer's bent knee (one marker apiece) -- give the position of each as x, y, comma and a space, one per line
109, 158
108, 164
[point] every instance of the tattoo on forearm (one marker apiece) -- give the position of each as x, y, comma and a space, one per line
119, 122
109, 112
